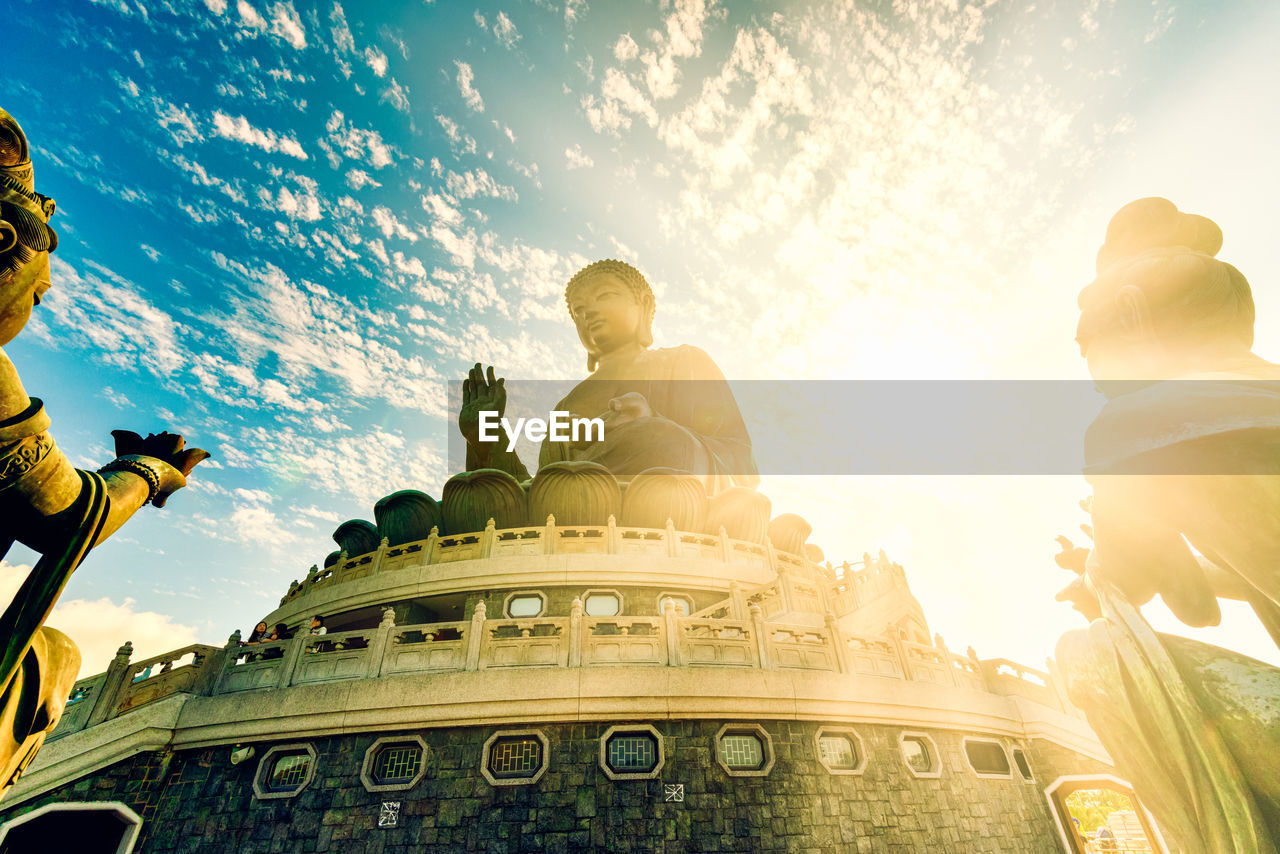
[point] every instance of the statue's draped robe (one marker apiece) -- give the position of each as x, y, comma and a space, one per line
1200, 458
695, 426
28, 459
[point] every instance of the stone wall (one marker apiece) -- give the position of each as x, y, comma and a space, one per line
197, 801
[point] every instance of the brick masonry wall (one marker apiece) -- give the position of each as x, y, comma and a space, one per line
197, 801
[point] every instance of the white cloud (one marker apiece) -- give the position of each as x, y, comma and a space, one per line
572, 9
217, 7
99, 627
239, 130
396, 95
249, 16
576, 159
462, 143
365, 146
358, 179
389, 225
256, 524
625, 49
505, 31
469, 94
286, 24
302, 203
376, 60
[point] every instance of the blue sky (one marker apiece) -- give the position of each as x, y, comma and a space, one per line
284, 226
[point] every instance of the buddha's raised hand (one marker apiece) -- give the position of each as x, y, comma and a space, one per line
481, 392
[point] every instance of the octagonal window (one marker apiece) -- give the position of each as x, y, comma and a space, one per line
920, 754
515, 757
742, 751
397, 763
837, 751
521, 605
284, 771
602, 604
987, 758
632, 753
287, 772
394, 763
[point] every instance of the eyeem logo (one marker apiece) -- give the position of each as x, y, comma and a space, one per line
562, 427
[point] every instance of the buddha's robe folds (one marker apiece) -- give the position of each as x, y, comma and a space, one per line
695, 425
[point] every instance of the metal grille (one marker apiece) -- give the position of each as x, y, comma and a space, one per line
742, 751
917, 755
397, 763
288, 772
837, 751
633, 753
515, 757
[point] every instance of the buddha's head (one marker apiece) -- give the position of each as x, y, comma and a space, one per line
612, 306
25, 236
1162, 304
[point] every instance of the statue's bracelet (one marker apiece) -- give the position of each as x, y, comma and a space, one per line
135, 466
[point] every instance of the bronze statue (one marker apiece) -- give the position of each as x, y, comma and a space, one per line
1187, 450
665, 408
45, 502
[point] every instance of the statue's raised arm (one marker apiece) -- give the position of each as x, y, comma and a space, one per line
45, 502
661, 408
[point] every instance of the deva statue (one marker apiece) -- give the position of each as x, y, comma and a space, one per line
45, 502
667, 408
1184, 456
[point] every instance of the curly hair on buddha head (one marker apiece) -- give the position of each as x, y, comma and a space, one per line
629, 276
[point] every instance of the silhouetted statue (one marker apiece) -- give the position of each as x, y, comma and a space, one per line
45, 502
1186, 450
667, 408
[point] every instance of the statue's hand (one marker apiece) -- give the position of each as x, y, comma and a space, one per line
480, 394
164, 455
627, 407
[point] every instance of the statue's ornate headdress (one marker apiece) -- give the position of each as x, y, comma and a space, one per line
24, 213
639, 289
1168, 255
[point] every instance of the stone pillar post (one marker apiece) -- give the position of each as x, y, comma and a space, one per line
475, 635
292, 653
758, 629
725, 549
487, 539
613, 543
737, 602
575, 634
383, 547
898, 647
549, 536
113, 686
673, 549
429, 550
381, 642
671, 625
833, 630
946, 657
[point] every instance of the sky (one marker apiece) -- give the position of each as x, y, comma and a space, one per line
285, 227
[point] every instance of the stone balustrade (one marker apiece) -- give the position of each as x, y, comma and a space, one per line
550, 539
576, 640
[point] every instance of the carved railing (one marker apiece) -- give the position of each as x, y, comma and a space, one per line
1011, 679
84, 695
574, 641
172, 673
548, 539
